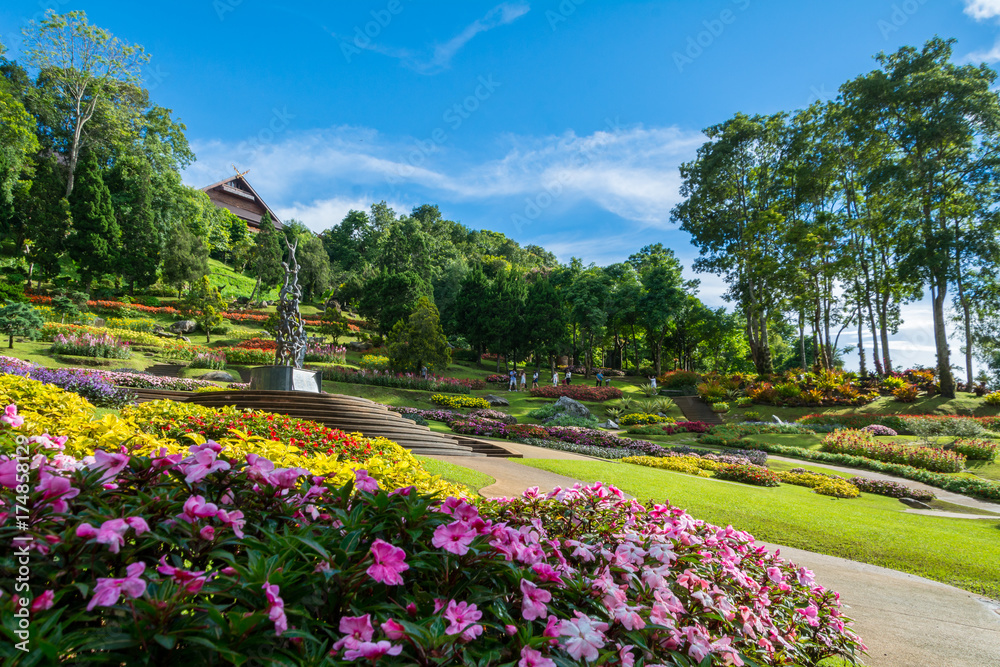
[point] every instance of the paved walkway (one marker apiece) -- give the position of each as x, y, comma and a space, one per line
906, 621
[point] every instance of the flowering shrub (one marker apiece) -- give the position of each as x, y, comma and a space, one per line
891, 489
720, 407
52, 329
398, 381
242, 356
878, 429
857, 443
748, 474
524, 431
209, 359
104, 346
836, 487
640, 418
460, 402
586, 450
144, 381
992, 398
906, 394
258, 344
495, 415
501, 379
434, 415
577, 392
132, 323
374, 362
982, 450
327, 354
679, 379
89, 384
486, 428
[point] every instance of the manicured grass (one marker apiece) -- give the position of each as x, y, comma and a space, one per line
473, 479
871, 529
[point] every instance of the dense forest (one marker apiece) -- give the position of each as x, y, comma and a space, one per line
823, 222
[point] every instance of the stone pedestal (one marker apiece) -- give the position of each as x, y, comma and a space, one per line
285, 378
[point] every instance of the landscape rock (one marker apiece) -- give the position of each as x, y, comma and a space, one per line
915, 504
358, 346
496, 400
218, 376
611, 425
183, 326
573, 408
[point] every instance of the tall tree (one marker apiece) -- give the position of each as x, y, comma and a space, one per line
472, 310
544, 321
185, 258
942, 121
96, 237
131, 193
419, 341
17, 137
733, 210
86, 74
389, 297
265, 259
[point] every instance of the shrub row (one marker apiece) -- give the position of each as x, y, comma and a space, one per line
578, 392
860, 443
353, 376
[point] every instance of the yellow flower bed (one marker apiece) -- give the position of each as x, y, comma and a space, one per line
49, 331
809, 479
460, 402
838, 488
641, 419
132, 323
691, 465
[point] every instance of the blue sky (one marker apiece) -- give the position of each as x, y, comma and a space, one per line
560, 123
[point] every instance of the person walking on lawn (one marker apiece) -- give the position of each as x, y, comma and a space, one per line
513, 381
534, 380
524, 380
600, 379
555, 378
569, 376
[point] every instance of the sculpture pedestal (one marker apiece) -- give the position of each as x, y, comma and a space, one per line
285, 378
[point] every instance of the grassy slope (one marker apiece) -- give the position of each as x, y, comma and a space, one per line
963, 404
871, 529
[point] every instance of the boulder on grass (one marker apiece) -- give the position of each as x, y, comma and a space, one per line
572, 408
358, 346
218, 376
183, 326
610, 425
496, 400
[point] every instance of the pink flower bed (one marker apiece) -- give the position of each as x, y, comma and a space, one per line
195, 558
861, 443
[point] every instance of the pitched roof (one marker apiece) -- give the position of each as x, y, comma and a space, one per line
228, 191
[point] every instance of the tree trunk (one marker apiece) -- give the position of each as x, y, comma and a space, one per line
965, 310
862, 370
884, 333
947, 381
10, 343
802, 338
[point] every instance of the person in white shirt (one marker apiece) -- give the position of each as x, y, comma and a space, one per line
534, 380
569, 376
555, 378
524, 381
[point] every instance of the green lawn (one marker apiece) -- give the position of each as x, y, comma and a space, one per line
473, 479
871, 529
963, 404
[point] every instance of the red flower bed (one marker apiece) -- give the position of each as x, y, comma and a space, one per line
308, 436
258, 344
748, 474
578, 392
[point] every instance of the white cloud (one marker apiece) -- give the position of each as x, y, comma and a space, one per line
320, 215
989, 56
982, 10
629, 172
438, 58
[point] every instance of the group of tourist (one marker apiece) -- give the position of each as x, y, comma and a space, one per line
521, 379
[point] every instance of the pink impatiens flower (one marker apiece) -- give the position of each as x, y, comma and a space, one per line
202, 462
43, 601
358, 630
275, 608
111, 464
394, 630
56, 490
454, 537
461, 616
186, 580
532, 658
533, 603
585, 637
10, 417
372, 650
810, 614
390, 561
111, 533
364, 482
108, 591
196, 508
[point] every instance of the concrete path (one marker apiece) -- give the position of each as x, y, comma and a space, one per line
905, 620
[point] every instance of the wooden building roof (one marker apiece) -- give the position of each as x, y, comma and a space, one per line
236, 194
